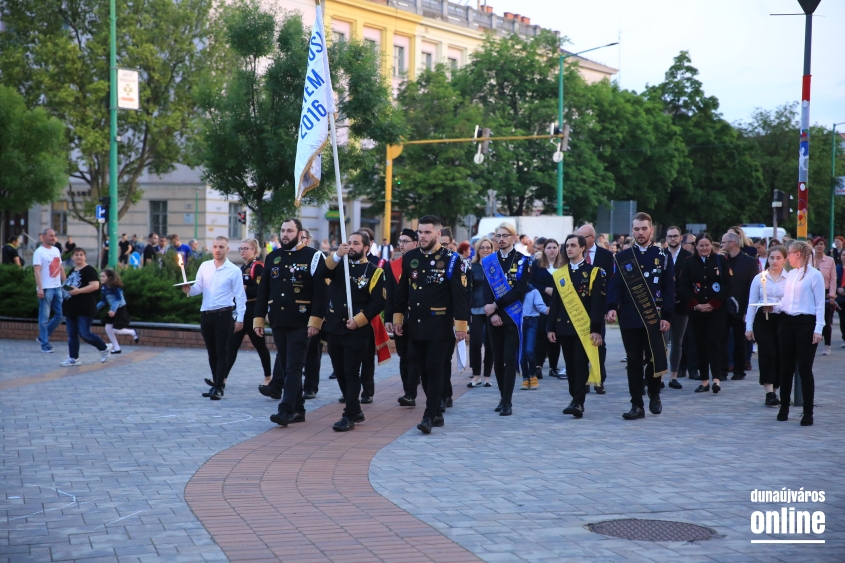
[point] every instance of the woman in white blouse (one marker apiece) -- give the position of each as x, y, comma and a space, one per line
800, 328
762, 323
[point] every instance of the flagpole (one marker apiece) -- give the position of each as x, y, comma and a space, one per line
342, 216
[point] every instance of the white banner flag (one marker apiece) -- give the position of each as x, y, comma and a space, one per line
317, 103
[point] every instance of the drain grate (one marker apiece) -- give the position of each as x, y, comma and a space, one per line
652, 530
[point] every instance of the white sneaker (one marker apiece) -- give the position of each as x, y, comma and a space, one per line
826, 351
69, 362
104, 355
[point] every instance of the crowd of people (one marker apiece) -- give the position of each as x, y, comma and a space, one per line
691, 307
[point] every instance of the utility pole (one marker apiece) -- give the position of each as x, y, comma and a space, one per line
112, 261
832, 179
809, 6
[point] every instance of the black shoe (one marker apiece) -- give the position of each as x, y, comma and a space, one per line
296, 417
342, 400
783, 414
407, 401
425, 426
574, 409
654, 405
209, 382
737, 376
208, 393
703, 388
448, 402
634, 413
807, 420
600, 390
216, 394
488, 384
507, 410
694, 375
366, 399
553, 373
716, 388
279, 418
343, 425
268, 391
772, 400
539, 373
499, 407
309, 395
332, 376
438, 421
675, 385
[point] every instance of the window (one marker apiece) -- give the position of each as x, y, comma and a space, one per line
338, 37
58, 217
371, 43
234, 224
453, 64
398, 60
158, 217
428, 61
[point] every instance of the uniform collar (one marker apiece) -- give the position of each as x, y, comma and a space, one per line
576, 266
513, 248
437, 247
643, 248
363, 260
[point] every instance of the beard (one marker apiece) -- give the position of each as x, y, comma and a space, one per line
290, 245
355, 256
674, 246
430, 245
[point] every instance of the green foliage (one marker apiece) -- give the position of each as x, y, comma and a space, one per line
247, 144
150, 295
56, 55
33, 155
17, 286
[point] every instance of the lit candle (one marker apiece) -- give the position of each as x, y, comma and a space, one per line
182, 265
765, 295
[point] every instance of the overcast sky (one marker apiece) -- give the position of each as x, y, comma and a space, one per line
745, 57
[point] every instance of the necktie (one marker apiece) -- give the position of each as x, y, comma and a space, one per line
588, 258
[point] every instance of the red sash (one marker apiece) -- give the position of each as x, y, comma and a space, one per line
396, 268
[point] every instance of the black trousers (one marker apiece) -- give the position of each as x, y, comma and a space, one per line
636, 345
446, 393
257, 342
689, 356
313, 359
577, 366
368, 371
409, 369
603, 354
768, 349
479, 338
795, 337
736, 324
347, 355
710, 342
505, 342
827, 331
291, 347
216, 328
430, 354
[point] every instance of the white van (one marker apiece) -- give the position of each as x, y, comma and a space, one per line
759, 230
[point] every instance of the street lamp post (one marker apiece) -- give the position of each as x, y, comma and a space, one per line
112, 258
832, 176
560, 119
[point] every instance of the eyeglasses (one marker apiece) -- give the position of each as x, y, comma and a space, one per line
673, 236
405, 241
502, 236
244, 248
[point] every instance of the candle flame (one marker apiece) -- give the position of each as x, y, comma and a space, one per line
179, 257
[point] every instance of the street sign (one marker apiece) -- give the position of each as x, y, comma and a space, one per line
478, 158
127, 89
101, 214
840, 185
135, 260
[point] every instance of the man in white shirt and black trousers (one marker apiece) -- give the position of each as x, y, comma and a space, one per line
219, 281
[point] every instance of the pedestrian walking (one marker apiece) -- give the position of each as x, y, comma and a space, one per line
800, 329
49, 276
642, 296
219, 283
602, 258
409, 370
762, 324
431, 293
532, 308
706, 285
576, 320
744, 268
294, 297
542, 272
79, 307
479, 335
125, 249
675, 336
827, 267
117, 318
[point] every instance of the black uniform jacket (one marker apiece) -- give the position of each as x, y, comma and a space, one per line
517, 269
292, 289
706, 282
390, 284
252, 277
683, 256
428, 298
366, 282
659, 273
594, 300
744, 269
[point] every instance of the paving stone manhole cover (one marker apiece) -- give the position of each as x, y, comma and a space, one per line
652, 530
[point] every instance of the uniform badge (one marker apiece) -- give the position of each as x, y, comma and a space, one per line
277, 259
432, 262
562, 283
415, 274
628, 267
436, 257
696, 287
716, 287
440, 264
414, 285
302, 308
657, 261
274, 273
584, 274
258, 279
657, 293
415, 263
521, 260
296, 290
492, 269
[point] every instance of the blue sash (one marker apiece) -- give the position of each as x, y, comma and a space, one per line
499, 284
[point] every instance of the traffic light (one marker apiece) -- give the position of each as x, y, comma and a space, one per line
781, 202
486, 133
242, 217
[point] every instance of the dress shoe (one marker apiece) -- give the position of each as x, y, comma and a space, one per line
634, 413
654, 405
526, 385
343, 425
296, 417
407, 401
488, 384
279, 418
533, 382
366, 399
425, 426
333, 376
442, 405
359, 418
498, 408
574, 409
675, 385
703, 388
600, 389
539, 373
342, 400
216, 394
783, 414
438, 421
716, 388
738, 377
208, 393
772, 400
554, 373
268, 391
448, 402
507, 410
308, 395
807, 420
209, 382
472, 384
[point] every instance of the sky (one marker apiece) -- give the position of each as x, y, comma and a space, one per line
745, 57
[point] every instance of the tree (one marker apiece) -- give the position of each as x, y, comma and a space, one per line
33, 154
248, 138
56, 55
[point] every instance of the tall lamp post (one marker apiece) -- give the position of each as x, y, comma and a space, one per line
560, 119
833, 176
112, 259
809, 6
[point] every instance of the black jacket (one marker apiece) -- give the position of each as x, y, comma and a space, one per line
478, 282
744, 269
594, 301
706, 282
604, 260
367, 286
293, 289
659, 272
541, 279
683, 256
431, 295
252, 277
517, 269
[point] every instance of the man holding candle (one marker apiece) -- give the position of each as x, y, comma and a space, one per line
219, 282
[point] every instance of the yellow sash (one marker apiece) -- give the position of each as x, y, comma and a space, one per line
580, 317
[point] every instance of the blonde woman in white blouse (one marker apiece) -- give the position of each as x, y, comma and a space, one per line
800, 328
762, 323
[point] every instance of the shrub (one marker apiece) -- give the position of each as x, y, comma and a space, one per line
18, 297
151, 297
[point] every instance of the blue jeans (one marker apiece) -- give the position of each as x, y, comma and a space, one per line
52, 300
80, 327
529, 336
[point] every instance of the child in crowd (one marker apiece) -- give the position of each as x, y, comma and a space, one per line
118, 317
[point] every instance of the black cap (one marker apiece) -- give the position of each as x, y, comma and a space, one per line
411, 234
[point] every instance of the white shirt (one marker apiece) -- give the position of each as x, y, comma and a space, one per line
386, 251
774, 291
805, 296
50, 260
219, 287
576, 266
521, 248
591, 252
